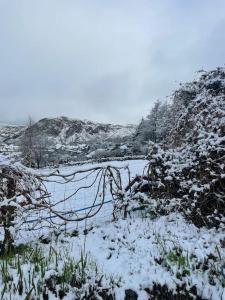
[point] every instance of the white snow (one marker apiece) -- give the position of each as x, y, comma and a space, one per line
137, 251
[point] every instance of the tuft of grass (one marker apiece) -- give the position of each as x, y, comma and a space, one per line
24, 272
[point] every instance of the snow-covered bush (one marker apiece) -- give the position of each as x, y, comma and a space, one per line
190, 166
20, 191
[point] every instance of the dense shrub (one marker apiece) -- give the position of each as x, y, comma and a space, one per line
189, 165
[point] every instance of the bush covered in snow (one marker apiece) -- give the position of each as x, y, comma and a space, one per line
21, 192
189, 163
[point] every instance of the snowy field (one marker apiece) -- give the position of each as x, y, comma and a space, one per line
84, 198
132, 254
142, 252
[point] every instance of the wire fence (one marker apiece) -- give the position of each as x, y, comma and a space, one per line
83, 201
75, 191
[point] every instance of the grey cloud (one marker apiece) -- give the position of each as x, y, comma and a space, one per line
102, 60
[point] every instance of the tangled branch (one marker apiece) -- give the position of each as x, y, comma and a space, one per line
24, 193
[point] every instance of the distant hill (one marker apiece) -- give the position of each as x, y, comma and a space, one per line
70, 139
67, 131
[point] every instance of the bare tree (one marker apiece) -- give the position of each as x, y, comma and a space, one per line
40, 150
27, 143
34, 146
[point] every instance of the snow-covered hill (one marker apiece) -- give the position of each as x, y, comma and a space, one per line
72, 131
66, 131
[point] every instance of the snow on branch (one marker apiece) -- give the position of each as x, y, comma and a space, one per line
23, 193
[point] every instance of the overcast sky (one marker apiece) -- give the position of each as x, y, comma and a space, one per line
103, 60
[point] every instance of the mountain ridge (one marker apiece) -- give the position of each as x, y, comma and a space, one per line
66, 130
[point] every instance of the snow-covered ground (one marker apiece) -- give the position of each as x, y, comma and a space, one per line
135, 253
142, 252
138, 252
85, 197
